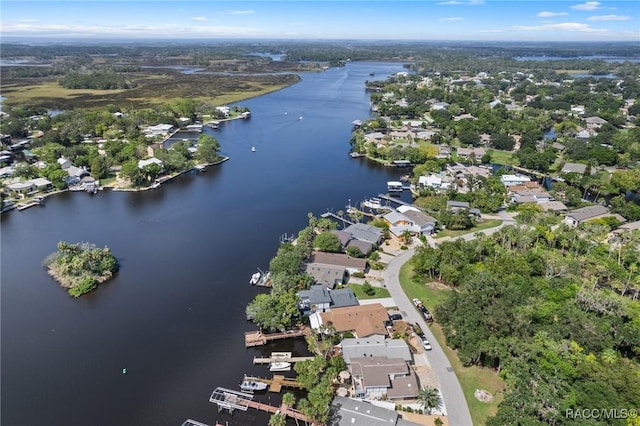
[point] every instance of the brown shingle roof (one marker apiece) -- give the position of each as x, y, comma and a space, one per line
363, 320
337, 259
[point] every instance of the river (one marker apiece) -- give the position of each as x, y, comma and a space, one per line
174, 314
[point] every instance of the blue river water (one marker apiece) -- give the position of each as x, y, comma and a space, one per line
174, 314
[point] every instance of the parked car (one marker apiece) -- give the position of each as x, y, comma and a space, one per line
417, 302
418, 330
426, 345
395, 317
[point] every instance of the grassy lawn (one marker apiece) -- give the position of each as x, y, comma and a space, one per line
502, 157
491, 223
471, 378
360, 294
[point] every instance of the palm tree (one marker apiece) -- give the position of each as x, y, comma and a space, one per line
289, 399
429, 398
278, 419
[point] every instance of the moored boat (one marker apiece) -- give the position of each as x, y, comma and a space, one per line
255, 278
280, 366
394, 186
250, 385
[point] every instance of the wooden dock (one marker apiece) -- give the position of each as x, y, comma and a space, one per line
335, 216
35, 202
234, 400
278, 382
262, 360
257, 338
393, 200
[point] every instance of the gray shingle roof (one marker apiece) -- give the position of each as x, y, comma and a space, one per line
588, 212
365, 232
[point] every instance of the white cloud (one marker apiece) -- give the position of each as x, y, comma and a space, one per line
550, 14
491, 31
241, 12
452, 18
28, 21
199, 18
590, 5
609, 18
564, 26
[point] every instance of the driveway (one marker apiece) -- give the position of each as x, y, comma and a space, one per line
454, 401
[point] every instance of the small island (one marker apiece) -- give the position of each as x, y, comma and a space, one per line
81, 267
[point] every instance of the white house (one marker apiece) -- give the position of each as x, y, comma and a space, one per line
508, 180
153, 160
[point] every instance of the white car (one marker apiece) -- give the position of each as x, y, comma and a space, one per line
417, 302
426, 345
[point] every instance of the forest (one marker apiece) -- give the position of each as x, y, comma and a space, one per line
553, 309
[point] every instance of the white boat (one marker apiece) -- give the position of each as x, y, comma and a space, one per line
280, 366
253, 149
249, 385
394, 186
255, 278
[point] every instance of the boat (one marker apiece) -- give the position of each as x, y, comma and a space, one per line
250, 385
200, 167
300, 118
255, 278
373, 203
253, 149
280, 366
394, 186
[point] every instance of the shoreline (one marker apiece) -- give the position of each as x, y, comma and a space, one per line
168, 178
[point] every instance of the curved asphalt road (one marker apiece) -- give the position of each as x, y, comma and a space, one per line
454, 400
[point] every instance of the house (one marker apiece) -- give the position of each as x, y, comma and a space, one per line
378, 377
154, 148
574, 168
364, 246
158, 130
581, 215
554, 206
444, 151
509, 180
361, 320
320, 299
355, 412
144, 163
577, 109
456, 206
583, 134
439, 106
375, 346
466, 152
30, 186
426, 134
437, 182
424, 223
351, 264
594, 122
365, 232
327, 275
627, 227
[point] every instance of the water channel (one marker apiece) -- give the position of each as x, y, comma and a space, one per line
174, 314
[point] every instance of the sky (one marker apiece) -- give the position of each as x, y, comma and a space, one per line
468, 20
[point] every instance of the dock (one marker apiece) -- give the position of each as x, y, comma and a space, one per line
263, 360
278, 382
393, 200
233, 400
35, 202
335, 216
257, 338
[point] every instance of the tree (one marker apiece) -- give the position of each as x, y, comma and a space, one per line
429, 398
327, 241
502, 142
289, 399
277, 419
208, 149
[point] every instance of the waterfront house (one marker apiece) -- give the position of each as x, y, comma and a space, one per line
509, 180
379, 377
361, 320
351, 264
356, 412
365, 232
326, 275
144, 163
29, 187
375, 346
320, 299
158, 130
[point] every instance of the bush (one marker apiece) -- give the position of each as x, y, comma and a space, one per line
358, 274
85, 285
